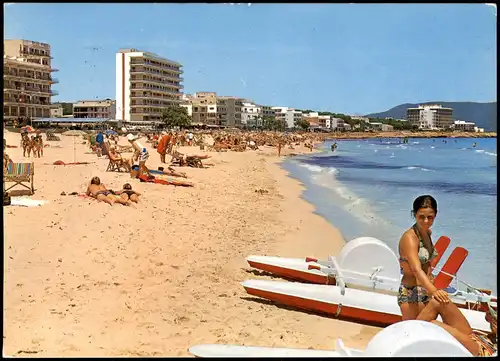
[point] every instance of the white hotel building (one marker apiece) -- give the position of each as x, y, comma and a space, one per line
146, 84
251, 115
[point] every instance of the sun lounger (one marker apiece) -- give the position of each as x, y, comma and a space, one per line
20, 173
51, 136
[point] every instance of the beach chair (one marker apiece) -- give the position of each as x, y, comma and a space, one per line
51, 136
20, 173
116, 166
177, 159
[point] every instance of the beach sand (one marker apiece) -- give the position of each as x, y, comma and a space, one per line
83, 278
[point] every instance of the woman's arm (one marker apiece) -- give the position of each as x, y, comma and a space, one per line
409, 248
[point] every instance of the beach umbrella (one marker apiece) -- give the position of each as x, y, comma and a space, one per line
27, 129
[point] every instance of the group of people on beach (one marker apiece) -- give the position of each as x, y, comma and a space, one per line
125, 196
419, 299
32, 144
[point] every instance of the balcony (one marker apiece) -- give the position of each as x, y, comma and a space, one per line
11, 88
144, 105
54, 69
141, 62
157, 82
156, 90
27, 77
160, 76
152, 97
54, 92
26, 103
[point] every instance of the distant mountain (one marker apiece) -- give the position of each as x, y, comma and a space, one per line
483, 114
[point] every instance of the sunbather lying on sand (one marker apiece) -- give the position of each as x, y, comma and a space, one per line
97, 190
171, 171
128, 194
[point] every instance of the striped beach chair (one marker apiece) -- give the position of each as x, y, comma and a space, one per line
20, 173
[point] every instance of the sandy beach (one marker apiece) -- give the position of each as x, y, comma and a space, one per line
83, 278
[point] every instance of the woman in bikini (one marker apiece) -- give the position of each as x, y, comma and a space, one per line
26, 144
416, 251
478, 343
128, 194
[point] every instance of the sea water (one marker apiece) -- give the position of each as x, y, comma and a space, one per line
367, 188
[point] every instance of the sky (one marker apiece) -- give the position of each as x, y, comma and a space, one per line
344, 58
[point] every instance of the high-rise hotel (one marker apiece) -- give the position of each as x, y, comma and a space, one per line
146, 84
27, 80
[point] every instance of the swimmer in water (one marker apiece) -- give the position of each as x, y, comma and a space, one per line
473, 145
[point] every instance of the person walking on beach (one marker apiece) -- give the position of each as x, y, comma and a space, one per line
190, 138
162, 146
416, 252
100, 140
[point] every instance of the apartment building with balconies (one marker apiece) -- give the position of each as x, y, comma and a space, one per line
95, 109
337, 124
204, 108
267, 111
27, 80
229, 111
430, 117
251, 115
146, 84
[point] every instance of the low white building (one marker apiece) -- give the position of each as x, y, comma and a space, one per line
382, 127
463, 126
56, 111
251, 115
356, 117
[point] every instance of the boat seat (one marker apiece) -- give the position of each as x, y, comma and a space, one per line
415, 339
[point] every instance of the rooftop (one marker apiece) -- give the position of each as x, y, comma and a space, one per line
149, 55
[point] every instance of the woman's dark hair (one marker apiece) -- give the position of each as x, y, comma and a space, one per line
95, 180
127, 186
425, 201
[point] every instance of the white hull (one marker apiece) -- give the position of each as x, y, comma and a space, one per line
298, 268
403, 339
254, 351
371, 307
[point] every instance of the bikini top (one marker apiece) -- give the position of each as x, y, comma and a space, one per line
423, 253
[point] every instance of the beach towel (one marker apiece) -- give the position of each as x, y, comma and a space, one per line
26, 202
167, 181
60, 162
